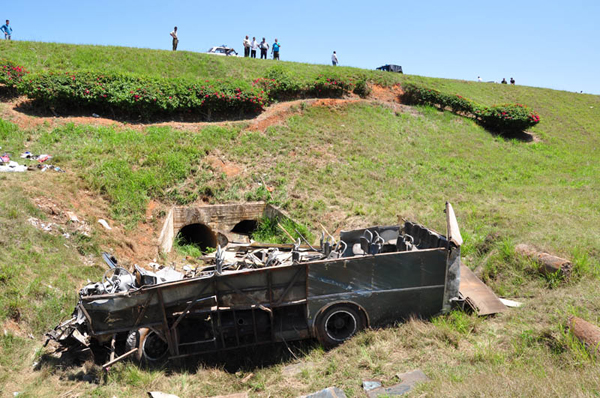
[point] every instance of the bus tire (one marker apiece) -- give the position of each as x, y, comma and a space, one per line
338, 324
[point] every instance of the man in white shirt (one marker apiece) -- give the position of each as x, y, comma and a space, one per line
253, 47
479, 79
246, 47
334, 59
175, 39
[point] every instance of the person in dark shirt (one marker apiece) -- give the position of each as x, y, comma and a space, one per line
504, 81
512, 81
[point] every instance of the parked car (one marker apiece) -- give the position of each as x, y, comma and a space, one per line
251, 294
391, 68
222, 50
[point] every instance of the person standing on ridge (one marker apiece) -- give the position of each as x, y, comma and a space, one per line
275, 50
512, 81
334, 59
253, 47
504, 81
479, 79
264, 46
246, 44
7, 30
175, 39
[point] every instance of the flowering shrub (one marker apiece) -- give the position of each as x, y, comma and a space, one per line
416, 94
507, 117
136, 95
331, 86
503, 118
362, 87
141, 95
11, 74
280, 83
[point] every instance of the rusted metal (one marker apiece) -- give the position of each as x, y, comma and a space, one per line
166, 327
587, 333
548, 263
403, 270
143, 311
478, 295
120, 358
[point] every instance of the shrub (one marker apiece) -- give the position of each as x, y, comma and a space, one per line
281, 83
331, 86
416, 94
506, 118
362, 87
140, 95
10, 73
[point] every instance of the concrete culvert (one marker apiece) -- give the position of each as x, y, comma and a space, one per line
245, 227
199, 235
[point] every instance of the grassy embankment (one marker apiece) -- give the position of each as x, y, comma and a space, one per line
352, 165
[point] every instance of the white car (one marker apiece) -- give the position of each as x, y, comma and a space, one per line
222, 50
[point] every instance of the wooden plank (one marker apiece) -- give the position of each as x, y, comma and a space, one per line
478, 294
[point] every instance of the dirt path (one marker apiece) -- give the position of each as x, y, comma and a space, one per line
275, 114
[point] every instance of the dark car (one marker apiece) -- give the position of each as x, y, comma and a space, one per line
391, 68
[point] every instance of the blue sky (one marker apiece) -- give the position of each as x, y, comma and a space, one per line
548, 43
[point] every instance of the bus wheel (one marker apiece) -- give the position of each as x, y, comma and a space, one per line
338, 323
151, 348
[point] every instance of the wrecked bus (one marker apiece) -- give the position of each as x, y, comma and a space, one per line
256, 293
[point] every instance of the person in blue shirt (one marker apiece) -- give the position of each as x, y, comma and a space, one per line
7, 30
275, 50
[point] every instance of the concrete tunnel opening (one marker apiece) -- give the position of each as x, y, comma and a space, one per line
207, 226
245, 227
198, 235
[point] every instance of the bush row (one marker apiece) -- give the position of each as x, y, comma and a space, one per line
283, 84
503, 118
140, 95
134, 95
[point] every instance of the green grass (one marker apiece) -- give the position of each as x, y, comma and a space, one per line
346, 166
36, 56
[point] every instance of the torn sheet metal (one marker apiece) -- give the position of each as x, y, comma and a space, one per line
478, 295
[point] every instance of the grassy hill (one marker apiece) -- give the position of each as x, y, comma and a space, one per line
350, 164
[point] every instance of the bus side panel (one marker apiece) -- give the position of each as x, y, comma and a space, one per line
389, 287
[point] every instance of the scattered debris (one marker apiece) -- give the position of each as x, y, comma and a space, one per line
407, 382
61, 222
511, 303
104, 223
40, 158
12, 167
549, 264
477, 295
158, 394
587, 333
369, 385
331, 392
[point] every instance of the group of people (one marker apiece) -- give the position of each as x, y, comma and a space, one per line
512, 80
7, 30
250, 48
